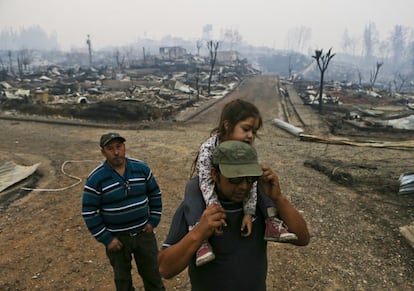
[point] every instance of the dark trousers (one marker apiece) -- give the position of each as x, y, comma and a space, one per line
143, 246
264, 202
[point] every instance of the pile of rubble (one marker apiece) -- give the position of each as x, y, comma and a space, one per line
142, 93
361, 108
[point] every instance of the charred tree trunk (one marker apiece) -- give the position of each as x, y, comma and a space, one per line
322, 61
212, 48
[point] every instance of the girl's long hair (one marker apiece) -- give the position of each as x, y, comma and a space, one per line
233, 112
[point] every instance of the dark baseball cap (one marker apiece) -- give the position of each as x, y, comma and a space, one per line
108, 137
236, 159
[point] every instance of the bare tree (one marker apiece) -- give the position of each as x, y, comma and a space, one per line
322, 60
401, 81
128, 51
398, 43
24, 60
232, 36
298, 38
384, 49
199, 45
197, 83
349, 43
120, 60
411, 56
374, 74
144, 55
212, 48
19, 66
359, 78
370, 40
9, 54
3, 70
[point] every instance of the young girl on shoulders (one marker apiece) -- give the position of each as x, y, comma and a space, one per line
239, 120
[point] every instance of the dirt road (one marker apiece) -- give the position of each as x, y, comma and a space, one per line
355, 242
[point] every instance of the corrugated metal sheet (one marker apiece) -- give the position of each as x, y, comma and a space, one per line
406, 183
11, 173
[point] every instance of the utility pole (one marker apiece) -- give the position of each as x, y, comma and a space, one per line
88, 42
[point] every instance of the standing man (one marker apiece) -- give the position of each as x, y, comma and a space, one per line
121, 206
241, 262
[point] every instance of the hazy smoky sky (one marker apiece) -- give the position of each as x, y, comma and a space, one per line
259, 22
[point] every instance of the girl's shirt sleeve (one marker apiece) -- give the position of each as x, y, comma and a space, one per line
204, 170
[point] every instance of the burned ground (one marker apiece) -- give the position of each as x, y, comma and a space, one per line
346, 193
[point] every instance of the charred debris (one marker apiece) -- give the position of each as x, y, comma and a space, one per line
155, 89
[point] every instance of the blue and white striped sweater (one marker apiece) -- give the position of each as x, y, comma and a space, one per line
113, 204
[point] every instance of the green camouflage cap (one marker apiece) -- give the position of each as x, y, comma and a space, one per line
236, 159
